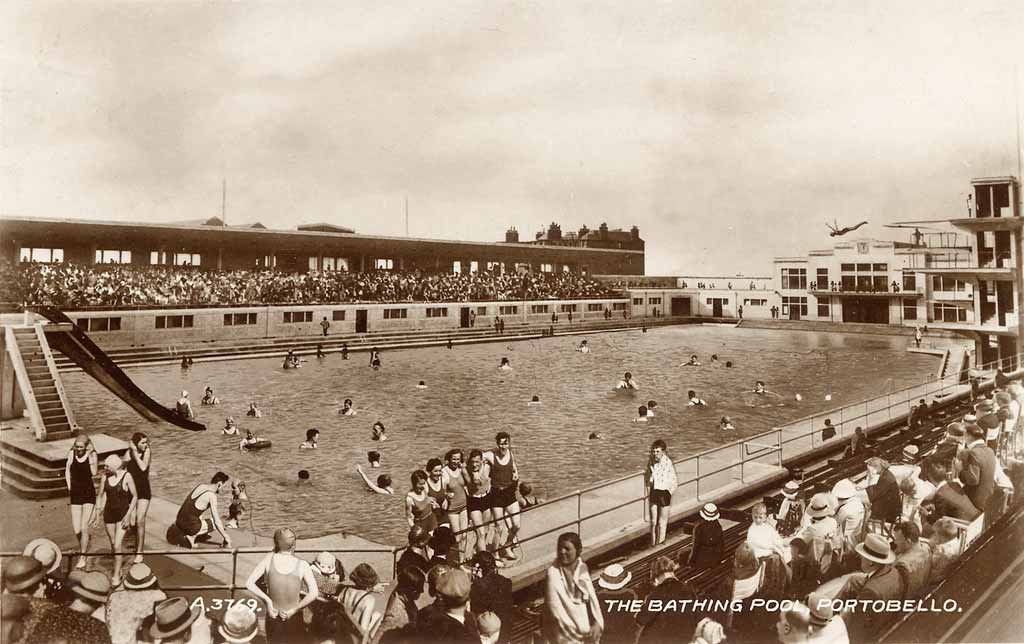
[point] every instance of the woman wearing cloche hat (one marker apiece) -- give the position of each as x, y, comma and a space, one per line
619, 625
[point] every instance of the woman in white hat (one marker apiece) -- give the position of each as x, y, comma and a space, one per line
116, 503
184, 406
707, 542
849, 515
619, 625
818, 519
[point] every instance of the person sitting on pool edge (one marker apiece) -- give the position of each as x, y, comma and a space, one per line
184, 406
249, 441
230, 428
311, 438
694, 400
254, 411
347, 409
209, 398
379, 432
627, 382
641, 415
190, 525
383, 485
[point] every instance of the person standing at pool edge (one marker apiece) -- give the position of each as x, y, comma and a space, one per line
661, 482
116, 504
82, 465
140, 457
504, 482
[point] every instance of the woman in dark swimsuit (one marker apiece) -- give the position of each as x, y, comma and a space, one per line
81, 466
117, 503
140, 458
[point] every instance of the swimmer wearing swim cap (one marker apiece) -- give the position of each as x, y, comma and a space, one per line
421, 385
534, 401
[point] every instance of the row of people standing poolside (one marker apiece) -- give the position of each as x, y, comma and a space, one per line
124, 496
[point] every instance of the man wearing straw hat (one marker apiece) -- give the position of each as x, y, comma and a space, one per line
615, 599
883, 583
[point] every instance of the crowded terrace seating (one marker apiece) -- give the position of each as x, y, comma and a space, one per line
72, 285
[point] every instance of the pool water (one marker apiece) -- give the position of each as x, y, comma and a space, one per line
468, 400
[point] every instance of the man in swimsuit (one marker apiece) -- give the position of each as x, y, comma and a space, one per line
190, 521
504, 482
285, 575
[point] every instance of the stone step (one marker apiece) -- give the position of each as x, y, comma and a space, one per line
29, 479
61, 435
36, 468
28, 492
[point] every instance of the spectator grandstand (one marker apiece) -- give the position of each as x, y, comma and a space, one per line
73, 285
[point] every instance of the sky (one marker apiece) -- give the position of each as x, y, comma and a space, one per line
728, 132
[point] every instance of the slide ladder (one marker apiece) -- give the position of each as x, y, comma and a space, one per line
39, 383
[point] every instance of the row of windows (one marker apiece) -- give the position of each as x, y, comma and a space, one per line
295, 317
948, 313
436, 312
794, 279
864, 268
755, 302
175, 321
396, 314
239, 319
99, 324
947, 284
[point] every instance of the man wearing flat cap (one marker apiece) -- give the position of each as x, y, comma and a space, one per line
456, 623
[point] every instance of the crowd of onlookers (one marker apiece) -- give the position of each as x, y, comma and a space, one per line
64, 284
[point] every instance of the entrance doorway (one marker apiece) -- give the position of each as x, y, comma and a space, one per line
681, 306
361, 326
464, 317
716, 307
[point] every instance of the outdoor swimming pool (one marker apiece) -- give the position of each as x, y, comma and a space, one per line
468, 400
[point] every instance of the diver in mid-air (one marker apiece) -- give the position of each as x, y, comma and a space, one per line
839, 232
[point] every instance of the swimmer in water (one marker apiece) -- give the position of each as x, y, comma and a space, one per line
184, 406
421, 385
230, 428
692, 363
249, 440
347, 409
726, 424
312, 436
383, 485
595, 436
534, 401
373, 458
303, 476
375, 358
759, 388
627, 382
584, 347
714, 357
694, 400
641, 414
209, 398
505, 365
651, 406
378, 432
728, 364
254, 411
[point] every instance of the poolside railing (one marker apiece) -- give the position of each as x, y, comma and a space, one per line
584, 509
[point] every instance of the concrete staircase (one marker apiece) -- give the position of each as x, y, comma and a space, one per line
40, 384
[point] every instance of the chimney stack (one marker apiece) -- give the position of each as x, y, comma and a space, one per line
512, 236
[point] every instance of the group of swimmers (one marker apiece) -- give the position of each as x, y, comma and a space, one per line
480, 496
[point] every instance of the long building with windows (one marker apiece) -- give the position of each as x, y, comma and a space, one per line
315, 247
